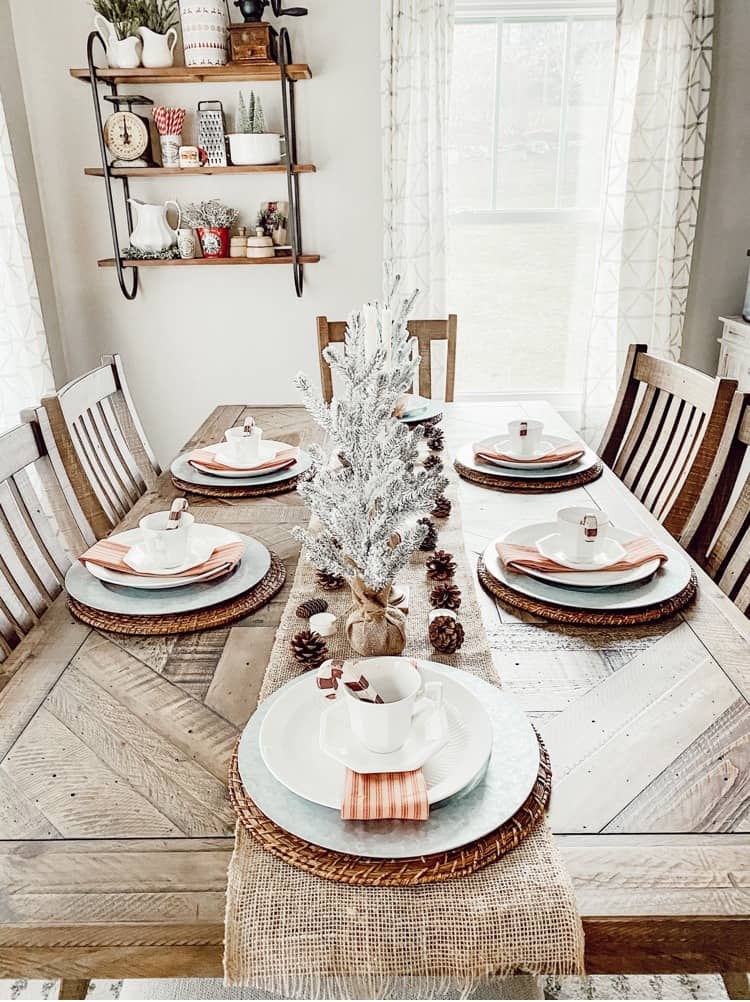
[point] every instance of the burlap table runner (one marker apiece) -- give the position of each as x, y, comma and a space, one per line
301, 936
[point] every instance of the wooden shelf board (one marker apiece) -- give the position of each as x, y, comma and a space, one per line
176, 171
213, 262
196, 74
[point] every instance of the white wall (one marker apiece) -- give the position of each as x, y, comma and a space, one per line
197, 337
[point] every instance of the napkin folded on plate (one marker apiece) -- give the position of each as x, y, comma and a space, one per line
520, 558
281, 460
111, 555
569, 450
385, 795
407, 403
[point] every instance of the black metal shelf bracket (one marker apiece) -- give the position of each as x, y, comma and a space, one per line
129, 289
292, 179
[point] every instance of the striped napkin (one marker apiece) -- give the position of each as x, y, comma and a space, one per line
637, 552
281, 460
111, 555
569, 450
382, 795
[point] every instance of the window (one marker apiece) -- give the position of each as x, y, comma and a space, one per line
528, 124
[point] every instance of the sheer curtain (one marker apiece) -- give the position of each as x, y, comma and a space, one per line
655, 160
416, 39
25, 370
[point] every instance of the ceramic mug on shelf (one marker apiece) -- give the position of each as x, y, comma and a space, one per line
165, 547
204, 32
244, 448
583, 532
384, 727
525, 437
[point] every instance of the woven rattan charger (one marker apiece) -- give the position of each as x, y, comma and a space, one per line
519, 485
187, 622
409, 872
227, 491
586, 617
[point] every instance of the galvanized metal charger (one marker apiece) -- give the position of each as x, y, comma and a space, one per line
169, 624
521, 485
587, 617
405, 872
226, 491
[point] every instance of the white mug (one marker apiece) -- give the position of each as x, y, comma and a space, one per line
583, 531
525, 436
244, 449
384, 727
165, 547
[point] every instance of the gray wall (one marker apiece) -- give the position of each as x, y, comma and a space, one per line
18, 130
719, 270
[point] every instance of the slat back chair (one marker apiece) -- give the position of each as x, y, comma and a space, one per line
101, 442
425, 331
663, 433
717, 535
41, 528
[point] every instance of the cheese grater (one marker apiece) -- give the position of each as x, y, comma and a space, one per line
211, 132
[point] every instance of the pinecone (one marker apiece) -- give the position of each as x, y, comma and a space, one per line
311, 607
309, 649
446, 634
445, 596
329, 582
432, 534
435, 439
432, 462
442, 507
441, 566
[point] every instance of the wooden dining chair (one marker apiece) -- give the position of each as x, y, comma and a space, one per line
717, 534
425, 331
42, 528
101, 443
663, 433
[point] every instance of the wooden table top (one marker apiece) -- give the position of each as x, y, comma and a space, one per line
115, 830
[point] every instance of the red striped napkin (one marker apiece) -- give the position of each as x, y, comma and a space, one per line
111, 555
571, 451
283, 459
382, 795
637, 552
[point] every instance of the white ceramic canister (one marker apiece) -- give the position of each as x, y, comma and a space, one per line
204, 32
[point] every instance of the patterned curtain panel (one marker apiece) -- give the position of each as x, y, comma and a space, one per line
25, 370
416, 39
658, 133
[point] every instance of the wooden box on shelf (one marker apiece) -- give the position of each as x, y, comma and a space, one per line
253, 44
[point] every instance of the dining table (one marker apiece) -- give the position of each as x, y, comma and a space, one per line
115, 826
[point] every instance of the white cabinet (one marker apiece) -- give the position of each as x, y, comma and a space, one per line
734, 360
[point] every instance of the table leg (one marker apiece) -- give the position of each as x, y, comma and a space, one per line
737, 985
74, 988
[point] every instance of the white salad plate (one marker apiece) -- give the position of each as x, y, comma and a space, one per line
531, 535
589, 590
534, 471
429, 733
553, 547
548, 444
182, 470
204, 540
291, 747
495, 793
422, 411
268, 448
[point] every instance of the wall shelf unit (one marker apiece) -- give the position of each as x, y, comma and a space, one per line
287, 73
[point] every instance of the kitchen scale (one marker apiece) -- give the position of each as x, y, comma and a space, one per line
128, 135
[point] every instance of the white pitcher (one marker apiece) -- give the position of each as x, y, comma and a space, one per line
158, 50
152, 232
122, 53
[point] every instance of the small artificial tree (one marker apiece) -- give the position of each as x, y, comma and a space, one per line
365, 501
250, 117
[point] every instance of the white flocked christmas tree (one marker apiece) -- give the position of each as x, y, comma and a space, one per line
368, 486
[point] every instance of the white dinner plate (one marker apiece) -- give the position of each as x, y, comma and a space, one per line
267, 450
425, 410
429, 733
553, 547
182, 470
290, 743
529, 535
621, 595
465, 456
211, 535
548, 444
